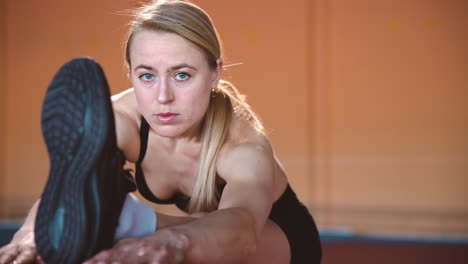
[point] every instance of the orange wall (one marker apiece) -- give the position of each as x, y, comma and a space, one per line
388, 113
398, 114
2, 109
365, 101
40, 37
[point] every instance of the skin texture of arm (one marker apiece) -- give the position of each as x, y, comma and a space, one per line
245, 204
230, 234
223, 236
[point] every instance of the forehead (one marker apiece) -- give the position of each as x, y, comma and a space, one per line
163, 47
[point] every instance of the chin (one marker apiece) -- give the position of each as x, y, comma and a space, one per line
176, 130
169, 131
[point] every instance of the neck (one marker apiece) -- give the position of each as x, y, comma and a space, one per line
191, 137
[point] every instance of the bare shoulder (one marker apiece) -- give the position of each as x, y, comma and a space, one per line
255, 148
247, 161
247, 155
127, 122
125, 101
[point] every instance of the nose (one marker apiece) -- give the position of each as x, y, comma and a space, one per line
165, 92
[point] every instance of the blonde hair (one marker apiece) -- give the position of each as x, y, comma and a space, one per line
192, 23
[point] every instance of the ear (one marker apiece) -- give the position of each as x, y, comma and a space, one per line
217, 73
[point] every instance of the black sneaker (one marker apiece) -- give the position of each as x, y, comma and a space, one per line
86, 188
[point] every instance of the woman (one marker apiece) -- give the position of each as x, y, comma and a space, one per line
196, 143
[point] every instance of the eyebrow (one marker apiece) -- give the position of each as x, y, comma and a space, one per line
173, 68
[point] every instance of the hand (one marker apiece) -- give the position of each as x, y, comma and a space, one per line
21, 250
163, 247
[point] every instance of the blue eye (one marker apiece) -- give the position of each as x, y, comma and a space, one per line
182, 76
146, 77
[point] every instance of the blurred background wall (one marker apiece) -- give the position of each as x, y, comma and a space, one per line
2, 108
366, 102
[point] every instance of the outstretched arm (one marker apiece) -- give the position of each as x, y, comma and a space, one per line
227, 235
230, 234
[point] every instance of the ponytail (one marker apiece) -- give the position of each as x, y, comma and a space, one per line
224, 103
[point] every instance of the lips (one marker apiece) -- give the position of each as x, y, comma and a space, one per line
165, 117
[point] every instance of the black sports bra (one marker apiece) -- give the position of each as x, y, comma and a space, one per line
180, 200
288, 212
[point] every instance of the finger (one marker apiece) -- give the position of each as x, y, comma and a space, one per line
4, 249
162, 256
8, 254
126, 255
28, 255
141, 254
128, 251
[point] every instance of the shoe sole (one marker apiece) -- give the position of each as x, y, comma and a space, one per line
77, 119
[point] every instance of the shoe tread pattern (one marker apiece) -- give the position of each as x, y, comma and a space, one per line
74, 125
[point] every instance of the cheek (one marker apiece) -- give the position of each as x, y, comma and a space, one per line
196, 104
143, 98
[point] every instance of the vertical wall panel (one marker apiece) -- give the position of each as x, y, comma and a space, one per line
397, 114
318, 81
400, 103
2, 107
